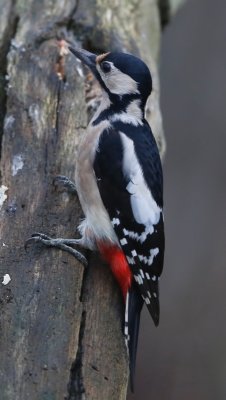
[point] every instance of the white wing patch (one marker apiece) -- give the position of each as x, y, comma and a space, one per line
145, 209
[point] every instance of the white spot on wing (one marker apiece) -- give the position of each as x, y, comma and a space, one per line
140, 238
138, 279
149, 260
130, 260
141, 273
134, 253
123, 241
146, 299
115, 221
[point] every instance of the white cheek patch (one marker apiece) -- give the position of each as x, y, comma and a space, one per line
117, 82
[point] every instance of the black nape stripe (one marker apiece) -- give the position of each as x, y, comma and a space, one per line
116, 107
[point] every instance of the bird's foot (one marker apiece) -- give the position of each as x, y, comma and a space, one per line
60, 243
63, 182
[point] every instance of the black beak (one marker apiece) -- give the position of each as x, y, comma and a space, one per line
86, 57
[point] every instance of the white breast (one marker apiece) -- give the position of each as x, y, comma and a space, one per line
97, 224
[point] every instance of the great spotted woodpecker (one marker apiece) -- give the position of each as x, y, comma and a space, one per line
120, 187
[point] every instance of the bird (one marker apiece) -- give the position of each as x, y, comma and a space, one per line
119, 182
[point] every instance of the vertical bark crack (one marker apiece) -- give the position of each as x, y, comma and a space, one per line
9, 34
76, 389
164, 12
58, 106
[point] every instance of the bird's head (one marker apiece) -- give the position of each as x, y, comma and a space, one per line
119, 74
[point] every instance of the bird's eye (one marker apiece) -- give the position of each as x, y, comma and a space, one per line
105, 66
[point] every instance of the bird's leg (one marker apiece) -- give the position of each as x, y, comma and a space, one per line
66, 183
60, 243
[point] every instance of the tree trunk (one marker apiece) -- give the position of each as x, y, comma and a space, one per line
61, 326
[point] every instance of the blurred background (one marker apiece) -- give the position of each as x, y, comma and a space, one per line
185, 358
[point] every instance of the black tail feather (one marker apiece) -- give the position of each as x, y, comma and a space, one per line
134, 309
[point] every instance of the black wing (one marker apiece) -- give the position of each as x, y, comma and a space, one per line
144, 251
143, 247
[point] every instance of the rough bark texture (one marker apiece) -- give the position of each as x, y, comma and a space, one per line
60, 325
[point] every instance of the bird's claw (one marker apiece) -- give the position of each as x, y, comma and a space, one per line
63, 182
36, 237
63, 244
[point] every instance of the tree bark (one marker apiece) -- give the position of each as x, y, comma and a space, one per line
61, 334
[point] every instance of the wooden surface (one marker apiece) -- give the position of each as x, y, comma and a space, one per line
60, 325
